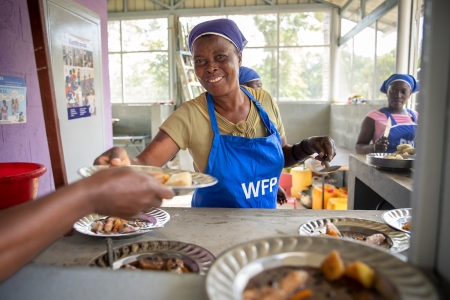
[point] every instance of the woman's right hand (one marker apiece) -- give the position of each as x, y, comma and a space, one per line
123, 192
380, 145
115, 156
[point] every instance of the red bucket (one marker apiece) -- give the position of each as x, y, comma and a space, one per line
19, 182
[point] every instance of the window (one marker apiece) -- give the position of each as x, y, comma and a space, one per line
138, 61
289, 51
366, 60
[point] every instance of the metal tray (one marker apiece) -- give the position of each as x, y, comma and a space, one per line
378, 160
84, 224
199, 180
231, 271
396, 218
397, 241
198, 259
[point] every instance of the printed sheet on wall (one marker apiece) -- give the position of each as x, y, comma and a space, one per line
13, 104
79, 77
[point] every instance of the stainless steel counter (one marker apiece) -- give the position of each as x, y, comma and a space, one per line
59, 272
368, 185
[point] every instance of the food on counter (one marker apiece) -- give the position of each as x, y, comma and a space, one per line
180, 179
156, 263
177, 179
332, 266
378, 239
114, 225
362, 273
404, 151
332, 230
406, 226
331, 280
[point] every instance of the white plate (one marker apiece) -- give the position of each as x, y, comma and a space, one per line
84, 224
230, 273
396, 218
199, 180
398, 241
198, 259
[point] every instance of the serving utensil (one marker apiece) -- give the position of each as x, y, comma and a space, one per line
328, 169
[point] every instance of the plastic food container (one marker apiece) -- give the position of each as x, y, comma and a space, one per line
19, 182
330, 192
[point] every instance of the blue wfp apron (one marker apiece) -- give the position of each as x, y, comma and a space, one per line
400, 133
247, 169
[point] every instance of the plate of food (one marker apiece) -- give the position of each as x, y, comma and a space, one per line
113, 227
298, 267
372, 233
167, 256
399, 219
180, 181
403, 158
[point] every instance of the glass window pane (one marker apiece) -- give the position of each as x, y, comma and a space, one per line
115, 78
190, 22
141, 35
346, 26
304, 29
363, 63
386, 47
304, 74
114, 36
146, 77
259, 30
264, 62
343, 80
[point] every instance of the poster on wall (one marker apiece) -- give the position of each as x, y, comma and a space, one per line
13, 103
78, 77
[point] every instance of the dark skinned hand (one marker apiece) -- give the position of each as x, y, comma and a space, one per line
324, 146
281, 196
381, 145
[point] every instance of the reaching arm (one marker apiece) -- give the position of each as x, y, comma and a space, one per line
160, 150
363, 145
27, 229
322, 145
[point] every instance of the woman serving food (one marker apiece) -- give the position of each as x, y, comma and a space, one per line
398, 88
233, 133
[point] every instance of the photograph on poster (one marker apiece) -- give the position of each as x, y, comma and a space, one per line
13, 102
79, 77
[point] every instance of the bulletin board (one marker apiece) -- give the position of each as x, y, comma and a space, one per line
74, 38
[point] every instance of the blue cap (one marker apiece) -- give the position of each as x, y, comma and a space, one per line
246, 75
409, 79
225, 28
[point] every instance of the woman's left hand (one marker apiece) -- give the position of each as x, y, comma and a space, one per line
281, 196
324, 146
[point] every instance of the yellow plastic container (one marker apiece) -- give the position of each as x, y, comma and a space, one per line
343, 192
301, 179
337, 203
330, 192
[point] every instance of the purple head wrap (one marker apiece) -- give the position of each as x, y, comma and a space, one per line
246, 75
225, 28
409, 79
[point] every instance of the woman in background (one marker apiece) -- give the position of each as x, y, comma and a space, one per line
398, 88
250, 78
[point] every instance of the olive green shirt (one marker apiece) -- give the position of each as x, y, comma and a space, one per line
190, 128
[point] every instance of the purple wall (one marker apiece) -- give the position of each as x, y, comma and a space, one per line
28, 142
